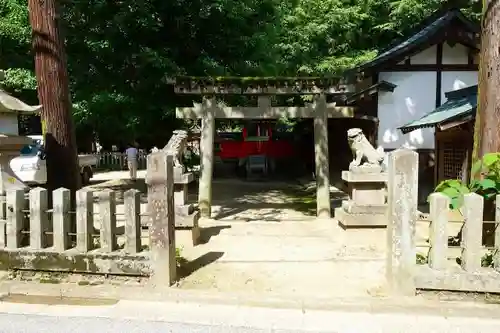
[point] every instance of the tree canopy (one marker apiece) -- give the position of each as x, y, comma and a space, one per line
120, 53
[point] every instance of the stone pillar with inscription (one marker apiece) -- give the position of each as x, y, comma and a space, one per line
186, 217
160, 181
401, 222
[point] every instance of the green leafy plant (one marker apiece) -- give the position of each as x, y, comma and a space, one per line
489, 168
421, 259
488, 186
487, 260
455, 190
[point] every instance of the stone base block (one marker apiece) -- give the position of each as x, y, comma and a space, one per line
352, 208
352, 177
187, 221
180, 177
366, 169
187, 230
350, 220
184, 210
179, 172
187, 237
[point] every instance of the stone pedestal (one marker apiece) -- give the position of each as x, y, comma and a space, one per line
186, 217
366, 206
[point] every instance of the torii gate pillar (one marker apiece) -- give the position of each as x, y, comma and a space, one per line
322, 159
207, 156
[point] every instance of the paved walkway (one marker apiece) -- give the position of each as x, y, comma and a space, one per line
137, 316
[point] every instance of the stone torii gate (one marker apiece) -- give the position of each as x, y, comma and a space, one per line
263, 88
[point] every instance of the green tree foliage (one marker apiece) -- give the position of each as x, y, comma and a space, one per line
121, 53
325, 36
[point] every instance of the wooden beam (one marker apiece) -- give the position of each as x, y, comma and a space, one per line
455, 123
231, 112
439, 74
430, 68
436, 157
375, 88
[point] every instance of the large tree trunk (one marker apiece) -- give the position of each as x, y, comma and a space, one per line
53, 93
487, 126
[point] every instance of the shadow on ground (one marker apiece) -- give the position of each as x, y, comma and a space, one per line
271, 200
239, 199
187, 268
120, 186
209, 232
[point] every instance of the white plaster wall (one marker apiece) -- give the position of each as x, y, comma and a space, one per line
414, 96
456, 55
457, 80
426, 57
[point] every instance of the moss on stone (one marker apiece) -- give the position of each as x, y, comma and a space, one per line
113, 263
245, 80
49, 280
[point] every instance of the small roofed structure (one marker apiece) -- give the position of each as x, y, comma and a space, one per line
10, 140
454, 131
10, 108
10, 103
408, 80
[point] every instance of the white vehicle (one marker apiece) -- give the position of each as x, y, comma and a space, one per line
31, 166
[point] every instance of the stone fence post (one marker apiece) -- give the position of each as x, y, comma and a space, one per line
402, 200
160, 180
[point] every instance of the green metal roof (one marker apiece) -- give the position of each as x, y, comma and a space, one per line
461, 103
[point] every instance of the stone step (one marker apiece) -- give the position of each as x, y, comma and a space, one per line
351, 207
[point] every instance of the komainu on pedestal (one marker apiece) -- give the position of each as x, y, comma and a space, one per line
366, 180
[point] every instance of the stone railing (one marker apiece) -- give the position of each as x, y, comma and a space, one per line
405, 271
34, 237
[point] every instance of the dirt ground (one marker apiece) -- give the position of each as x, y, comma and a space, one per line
264, 238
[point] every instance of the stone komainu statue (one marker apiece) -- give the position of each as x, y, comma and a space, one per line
176, 146
364, 153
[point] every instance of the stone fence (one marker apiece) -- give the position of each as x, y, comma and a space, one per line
465, 272
34, 237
